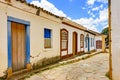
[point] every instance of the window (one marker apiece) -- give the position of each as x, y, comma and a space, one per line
82, 40
98, 44
91, 42
86, 41
47, 38
64, 39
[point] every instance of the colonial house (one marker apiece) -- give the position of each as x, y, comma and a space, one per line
114, 30
31, 37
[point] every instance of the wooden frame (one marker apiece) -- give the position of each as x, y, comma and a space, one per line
99, 44
82, 41
61, 49
49, 39
75, 42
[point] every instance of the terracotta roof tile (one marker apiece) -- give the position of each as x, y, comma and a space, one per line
34, 6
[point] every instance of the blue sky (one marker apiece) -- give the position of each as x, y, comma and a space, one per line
92, 14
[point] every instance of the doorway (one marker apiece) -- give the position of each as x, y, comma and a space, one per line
74, 43
18, 44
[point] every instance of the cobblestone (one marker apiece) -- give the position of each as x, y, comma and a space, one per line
93, 68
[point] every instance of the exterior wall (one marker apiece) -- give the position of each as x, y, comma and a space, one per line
91, 47
3, 40
115, 44
103, 43
70, 37
102, 38
37, 25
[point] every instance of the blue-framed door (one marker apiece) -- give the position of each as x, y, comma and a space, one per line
27, 40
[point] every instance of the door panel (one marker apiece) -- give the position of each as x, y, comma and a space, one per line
74, 43
14, 44
18, 46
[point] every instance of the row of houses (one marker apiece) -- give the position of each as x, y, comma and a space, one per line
31, 37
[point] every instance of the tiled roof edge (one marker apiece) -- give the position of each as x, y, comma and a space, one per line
34, 6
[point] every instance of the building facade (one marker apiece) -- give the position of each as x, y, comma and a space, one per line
114, 28
31, 37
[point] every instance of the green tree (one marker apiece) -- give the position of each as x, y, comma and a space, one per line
106, 32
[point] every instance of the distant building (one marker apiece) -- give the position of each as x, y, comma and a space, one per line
31, 37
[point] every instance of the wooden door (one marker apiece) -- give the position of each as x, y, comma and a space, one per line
18, 46
74, 43
98, 44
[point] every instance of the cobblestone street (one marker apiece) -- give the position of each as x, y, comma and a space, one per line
93, 68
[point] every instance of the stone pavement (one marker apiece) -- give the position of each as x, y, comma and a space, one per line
93, 68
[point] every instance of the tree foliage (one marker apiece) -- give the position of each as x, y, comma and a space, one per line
106, 32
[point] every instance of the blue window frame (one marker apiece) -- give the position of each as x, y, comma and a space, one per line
47, 38
47, 33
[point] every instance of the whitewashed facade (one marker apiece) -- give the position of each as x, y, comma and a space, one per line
37, 33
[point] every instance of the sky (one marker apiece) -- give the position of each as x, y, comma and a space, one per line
92, 14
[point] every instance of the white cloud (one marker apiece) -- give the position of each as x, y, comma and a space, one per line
90, 2
103, 1
83, 8
97, 8
49, 7
105, 26
91, 23
90, 13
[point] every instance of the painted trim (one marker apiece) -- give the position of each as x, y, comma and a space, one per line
27, 25
75, 34
27, 44
88, 42
9, 18
9, 44
73, 26
82, 38
61, 43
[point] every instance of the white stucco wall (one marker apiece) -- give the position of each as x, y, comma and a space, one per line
37, 25
70, 38
115, 27
3, 40
90, 36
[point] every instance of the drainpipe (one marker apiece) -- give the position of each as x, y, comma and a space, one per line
109, 24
